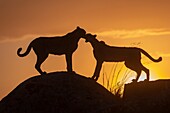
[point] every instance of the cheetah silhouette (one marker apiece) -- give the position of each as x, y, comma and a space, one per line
57, 45
130, 55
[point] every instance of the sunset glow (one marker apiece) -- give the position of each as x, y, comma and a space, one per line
125, 23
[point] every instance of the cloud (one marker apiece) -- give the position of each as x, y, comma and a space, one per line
120, 34
25, 37
137, 33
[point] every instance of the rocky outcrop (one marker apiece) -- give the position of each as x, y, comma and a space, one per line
147, 97
59, 92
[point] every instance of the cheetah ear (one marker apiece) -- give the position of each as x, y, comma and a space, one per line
94, 36
78, 27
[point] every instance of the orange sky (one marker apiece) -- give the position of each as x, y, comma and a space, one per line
117, 22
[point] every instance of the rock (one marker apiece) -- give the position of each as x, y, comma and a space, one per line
147, 97
59, 92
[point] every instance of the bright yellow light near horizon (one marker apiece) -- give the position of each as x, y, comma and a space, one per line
142, 77
153, 76
108, 73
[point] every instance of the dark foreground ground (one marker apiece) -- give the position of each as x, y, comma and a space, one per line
61, 92
147, 97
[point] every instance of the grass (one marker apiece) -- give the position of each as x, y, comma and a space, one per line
116, 79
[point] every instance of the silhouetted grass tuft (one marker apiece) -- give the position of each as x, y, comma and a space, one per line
115, 80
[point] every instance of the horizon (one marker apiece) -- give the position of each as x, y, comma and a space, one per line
143, 24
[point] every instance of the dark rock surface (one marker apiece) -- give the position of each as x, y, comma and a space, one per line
59, 92
147, 97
